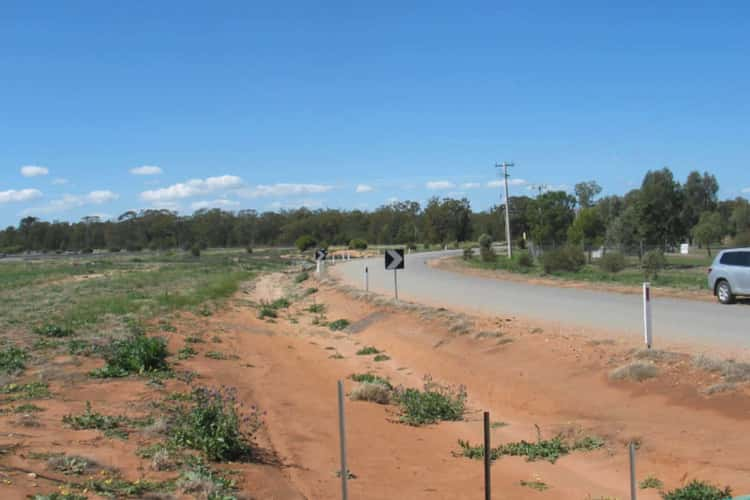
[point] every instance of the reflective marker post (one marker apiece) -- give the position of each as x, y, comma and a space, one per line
633, 490
342, 441
367, 279
395, 283
647, 314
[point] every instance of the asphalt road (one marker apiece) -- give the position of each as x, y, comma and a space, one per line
675, 319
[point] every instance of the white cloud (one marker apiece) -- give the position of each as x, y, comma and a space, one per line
33, 171
220, 203
146, 170
70, 201
438, 185
59, 181
511, 182
278, 190
470, 185
193, 187
15, 196
278, 205
99, 197
363, 188
746, 190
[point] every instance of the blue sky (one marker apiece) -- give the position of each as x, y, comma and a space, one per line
353, 104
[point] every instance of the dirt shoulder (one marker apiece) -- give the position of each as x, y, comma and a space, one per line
456, 265
688, 422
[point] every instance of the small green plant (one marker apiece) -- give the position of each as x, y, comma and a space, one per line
381, 357
136, 355
367, 350
117, 487
311, 291
316, 308
32, 390
27, 408
52, 330
305, 242
70, 465
434, 403
535, 485
468, 253
282, 303
544, 449
199, 481
186, 352
78, 347
194, 340
301, 277
266, 311
370, 378
13, 359
699, 490
651, 482
588, 443
89, 419
339, 324
195, 250
45, 343
60, 496
213, 424
218, 355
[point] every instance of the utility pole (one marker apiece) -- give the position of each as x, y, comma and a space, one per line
505, 166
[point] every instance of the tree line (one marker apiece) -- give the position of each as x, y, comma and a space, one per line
661, 213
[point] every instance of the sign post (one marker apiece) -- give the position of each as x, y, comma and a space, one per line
320, 259
342, 442
647, 314
394, 260
367, 279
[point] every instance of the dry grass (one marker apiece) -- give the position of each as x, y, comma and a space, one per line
719, 388
634, 371
657, 355
373, 392
730, 370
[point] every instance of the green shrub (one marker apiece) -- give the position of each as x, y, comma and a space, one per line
249, 249
524, 259
32, 390
138, 354
381, 357
186, 352
12, 359
741, 239
651, 482
195, 250
282, 303
52, 330
339, 324
568, 258
367, 350
412, 246
698, 490
301, 277
95, 420
612, 262
358, 244
485, 248
370, 378
266, 311
468, 253
213, 424
433, 404
305, 242
316, 308
653, 262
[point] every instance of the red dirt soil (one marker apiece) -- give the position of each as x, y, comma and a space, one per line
521, 372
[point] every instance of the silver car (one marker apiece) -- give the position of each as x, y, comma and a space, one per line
729, 275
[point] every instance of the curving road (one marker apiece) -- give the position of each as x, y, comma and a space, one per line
676, 319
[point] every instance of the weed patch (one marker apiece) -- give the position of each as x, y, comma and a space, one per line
651, 482
136, 355
381, 357
112, 426
32, 390
338, 325
266, 311
13, 359
535, 485
301, 277
212, 423
201, 482
370, 378
367, 350
434, 403
52, 330
316, 308
699, 490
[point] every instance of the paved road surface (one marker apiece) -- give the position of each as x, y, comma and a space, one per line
676, 319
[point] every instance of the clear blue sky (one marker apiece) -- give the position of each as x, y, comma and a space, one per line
267, 105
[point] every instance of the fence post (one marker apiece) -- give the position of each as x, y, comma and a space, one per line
647, 314
633, 490
487, 458
342, 441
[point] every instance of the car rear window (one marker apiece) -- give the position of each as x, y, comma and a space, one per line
736, 259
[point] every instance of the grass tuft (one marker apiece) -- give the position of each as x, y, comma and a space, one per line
338, 325
136, 355
367, 350
634, 371
434, 403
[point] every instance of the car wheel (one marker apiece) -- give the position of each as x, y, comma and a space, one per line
724, 292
